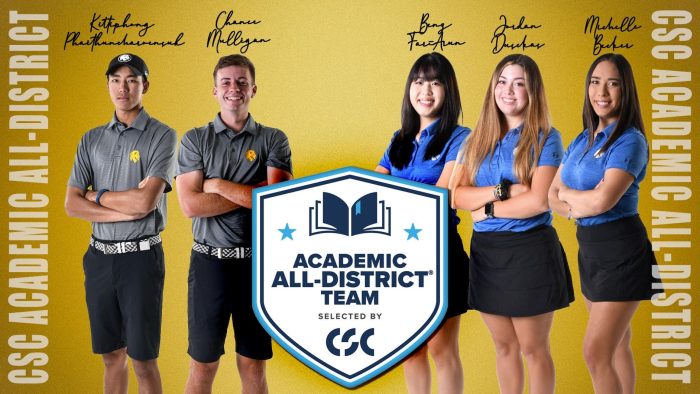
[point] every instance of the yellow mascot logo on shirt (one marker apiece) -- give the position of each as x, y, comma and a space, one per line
250, 155
134, 156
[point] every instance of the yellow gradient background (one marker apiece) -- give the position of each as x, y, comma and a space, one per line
332, 78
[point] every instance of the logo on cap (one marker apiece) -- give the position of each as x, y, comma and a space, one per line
124, 58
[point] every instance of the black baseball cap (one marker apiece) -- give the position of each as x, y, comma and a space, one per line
135, 63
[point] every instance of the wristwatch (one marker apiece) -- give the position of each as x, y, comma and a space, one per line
99, 194
501, 192
488, 210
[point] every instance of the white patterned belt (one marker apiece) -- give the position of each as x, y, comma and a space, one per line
223, 253
125, 246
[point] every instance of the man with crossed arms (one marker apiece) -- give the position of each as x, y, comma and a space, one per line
119, 177
218, 166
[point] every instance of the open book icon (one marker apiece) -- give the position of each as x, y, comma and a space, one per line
367, 215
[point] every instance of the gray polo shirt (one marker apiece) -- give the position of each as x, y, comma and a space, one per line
237, 157
117, 158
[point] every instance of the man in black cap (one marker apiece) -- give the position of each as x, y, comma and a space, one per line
121, 173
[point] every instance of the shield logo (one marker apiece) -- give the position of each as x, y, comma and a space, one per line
350, 271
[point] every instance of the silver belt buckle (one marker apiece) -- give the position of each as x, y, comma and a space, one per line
218, 252
144, 244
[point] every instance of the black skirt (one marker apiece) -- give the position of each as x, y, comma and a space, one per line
519, 274
615, 261
457, 276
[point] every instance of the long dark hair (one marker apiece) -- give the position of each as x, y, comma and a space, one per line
429, 66
630, 114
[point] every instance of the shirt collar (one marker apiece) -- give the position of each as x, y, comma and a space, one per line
220, 126
139, 123
606, 131
515, 131
431, 129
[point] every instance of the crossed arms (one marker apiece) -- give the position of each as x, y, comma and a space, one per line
525, 202
576, 204
200, 197
119, 206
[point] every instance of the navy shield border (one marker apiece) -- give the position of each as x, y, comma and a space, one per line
350, 269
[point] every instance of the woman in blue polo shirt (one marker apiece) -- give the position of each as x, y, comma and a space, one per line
424, 150
518, 271
598, 185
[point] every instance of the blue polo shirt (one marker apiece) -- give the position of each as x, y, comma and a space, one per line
428, 171
500, 166
584, 168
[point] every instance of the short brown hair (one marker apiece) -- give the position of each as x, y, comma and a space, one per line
234, 60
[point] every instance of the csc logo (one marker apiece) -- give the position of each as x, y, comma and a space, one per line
353, 345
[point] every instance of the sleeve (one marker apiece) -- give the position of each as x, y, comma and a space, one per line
81, 175
189, 157
385, 161
628, 153
279, 154
552, 151
162, 158
456, 142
